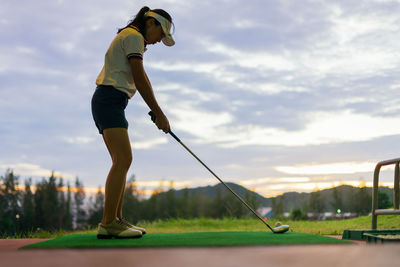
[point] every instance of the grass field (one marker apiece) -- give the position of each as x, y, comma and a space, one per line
334, 227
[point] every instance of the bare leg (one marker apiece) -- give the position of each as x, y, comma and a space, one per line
121, 201
119, 147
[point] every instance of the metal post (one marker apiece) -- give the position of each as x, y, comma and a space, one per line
375, 196
396, 187
396, 200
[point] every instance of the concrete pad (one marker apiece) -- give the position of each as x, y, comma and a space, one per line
14, 244
281, 255
304, 255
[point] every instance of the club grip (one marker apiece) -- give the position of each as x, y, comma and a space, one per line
153, 118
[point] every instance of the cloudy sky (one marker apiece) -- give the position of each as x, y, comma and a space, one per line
275, 95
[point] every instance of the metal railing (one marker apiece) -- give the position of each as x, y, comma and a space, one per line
375, 210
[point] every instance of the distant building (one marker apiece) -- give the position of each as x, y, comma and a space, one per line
265, 212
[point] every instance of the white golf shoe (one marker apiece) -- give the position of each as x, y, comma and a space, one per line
117, 229
124, 221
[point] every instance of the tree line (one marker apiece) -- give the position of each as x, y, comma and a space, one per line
48, 208
55, 206
357, 202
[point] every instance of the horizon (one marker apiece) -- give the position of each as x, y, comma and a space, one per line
163, 186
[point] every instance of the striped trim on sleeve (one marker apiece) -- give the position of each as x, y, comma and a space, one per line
131, 55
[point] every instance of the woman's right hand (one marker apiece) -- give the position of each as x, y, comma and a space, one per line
162, 122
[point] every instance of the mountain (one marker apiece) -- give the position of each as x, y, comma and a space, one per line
211, 191
291, 200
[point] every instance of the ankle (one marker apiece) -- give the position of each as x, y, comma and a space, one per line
107, 221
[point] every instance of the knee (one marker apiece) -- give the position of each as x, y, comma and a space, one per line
123, 161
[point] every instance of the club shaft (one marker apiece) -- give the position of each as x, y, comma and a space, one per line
194, 155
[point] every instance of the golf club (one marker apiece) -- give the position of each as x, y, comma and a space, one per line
277, 230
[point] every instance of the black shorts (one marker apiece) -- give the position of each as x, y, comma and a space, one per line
108, 108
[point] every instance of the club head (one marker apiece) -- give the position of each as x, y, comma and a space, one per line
281, 229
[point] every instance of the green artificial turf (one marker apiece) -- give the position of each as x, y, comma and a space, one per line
188, 239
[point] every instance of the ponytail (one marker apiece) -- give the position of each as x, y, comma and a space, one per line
139, 20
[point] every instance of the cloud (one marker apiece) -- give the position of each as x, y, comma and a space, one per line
350, 27
330, 168
198, 122
322, 128
271, 88
260, 60
79, 140
148, 144
188, 92
274, 180
33, 170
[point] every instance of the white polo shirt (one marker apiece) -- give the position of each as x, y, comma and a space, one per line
117, 70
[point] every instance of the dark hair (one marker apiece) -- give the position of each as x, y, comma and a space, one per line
140, 20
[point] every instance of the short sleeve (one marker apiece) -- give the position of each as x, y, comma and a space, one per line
133, 45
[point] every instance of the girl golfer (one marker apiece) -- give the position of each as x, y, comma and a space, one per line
120, 77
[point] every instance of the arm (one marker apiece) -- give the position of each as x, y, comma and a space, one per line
147, 78
146, 91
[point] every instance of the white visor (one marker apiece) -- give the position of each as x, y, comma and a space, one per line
166, 26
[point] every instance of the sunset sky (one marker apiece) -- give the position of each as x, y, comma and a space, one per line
276, 95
